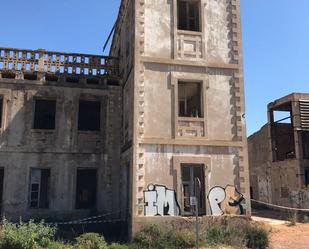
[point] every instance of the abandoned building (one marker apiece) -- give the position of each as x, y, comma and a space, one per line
279, 154
130, 133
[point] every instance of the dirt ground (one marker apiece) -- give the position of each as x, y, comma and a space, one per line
284, 236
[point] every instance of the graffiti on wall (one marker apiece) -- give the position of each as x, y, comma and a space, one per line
226, 201
160, 201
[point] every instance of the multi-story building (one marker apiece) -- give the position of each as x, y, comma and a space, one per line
75, 139
183, 112
60, 122
279, 153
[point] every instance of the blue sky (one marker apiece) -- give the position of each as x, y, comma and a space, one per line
275, 40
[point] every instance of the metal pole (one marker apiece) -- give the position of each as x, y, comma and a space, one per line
197, 192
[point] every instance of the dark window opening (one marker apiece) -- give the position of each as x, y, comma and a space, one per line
89, 116
305, 142
307, 177
44, 114
189, 15
39, 188
86, 189
189, 99
282, 133
189, 172
1, 110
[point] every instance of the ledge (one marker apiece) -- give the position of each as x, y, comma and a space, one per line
197, 63
189, 141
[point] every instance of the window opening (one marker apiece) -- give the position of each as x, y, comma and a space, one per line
282, 133
44, 114
305, 142
86, 188
189, 99
189, 172
89, 116
188, 15
39, 188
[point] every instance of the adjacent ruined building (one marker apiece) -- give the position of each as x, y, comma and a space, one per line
279, 154
130, 133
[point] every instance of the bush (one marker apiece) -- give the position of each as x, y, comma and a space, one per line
149, 237
257, 237
59, 245
224, 235
26, 235
119, 246
90, 241
180, 239
154, 237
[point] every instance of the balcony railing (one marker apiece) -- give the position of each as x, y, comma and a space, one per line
14, 62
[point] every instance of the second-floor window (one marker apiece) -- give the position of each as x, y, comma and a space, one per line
189, 99
89, 115
44, 114
188, 12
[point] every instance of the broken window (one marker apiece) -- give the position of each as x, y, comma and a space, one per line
86, 188
307, 177
44, 114
188, 15
189, 99
189, 173
1, 110
282, 133
89, 115
39, 188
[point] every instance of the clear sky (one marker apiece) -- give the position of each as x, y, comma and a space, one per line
275, 40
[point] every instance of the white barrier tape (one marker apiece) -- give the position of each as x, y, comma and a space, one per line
85, 222
282, 207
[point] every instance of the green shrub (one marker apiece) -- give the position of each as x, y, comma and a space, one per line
180, 239
59, 245
28, 235
256, 237
154, 237
149, 237
224, 235
90, 241
120, 246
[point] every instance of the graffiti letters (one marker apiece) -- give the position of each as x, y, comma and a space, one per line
225, 201
160, 201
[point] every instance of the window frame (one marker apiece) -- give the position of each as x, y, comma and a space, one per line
200, 26
189, 77
201, 98
39, 189
191, 184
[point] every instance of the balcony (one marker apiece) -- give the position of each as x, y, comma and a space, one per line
24, 64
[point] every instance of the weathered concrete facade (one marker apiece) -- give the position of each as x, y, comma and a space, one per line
278, 154
62, 150
175, 118
162, 142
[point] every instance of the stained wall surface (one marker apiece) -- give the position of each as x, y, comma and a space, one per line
62, 150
